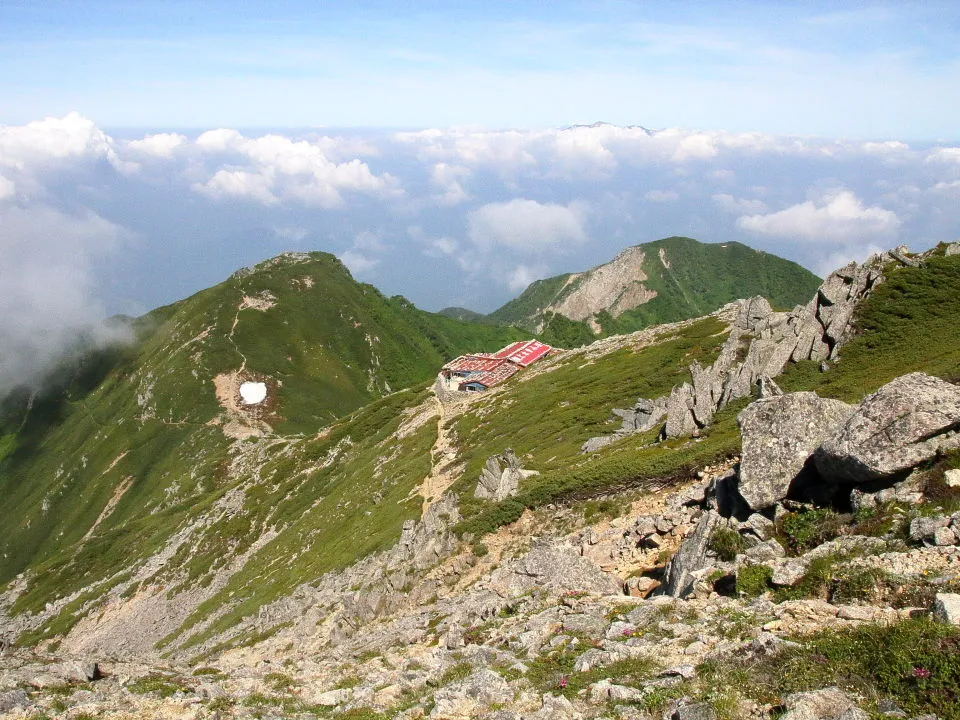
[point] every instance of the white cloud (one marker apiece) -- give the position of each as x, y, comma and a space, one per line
240, 184
738, 206
447, 178
287, 169
940, 187
357, 261
7, 188
159, 145
839, 217
292, 235
843, 256
47, 286
523, 275
698, 146
885, 148
30, 153
220, 140
72, 136
583, 149
445, 245
661, 196
945, 154
368, 240
526, 225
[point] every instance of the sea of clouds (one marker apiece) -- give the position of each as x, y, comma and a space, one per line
95, 222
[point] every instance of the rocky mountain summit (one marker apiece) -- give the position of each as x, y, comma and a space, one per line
792, 552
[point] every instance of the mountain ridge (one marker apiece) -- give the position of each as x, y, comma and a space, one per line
660, 281
359, 559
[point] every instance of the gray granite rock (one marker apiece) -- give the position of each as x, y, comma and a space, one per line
779, 436
692, 556
946, 608
906, 422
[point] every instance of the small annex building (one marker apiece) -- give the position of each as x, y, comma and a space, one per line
481, 371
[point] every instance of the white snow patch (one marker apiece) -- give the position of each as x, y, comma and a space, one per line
253, 392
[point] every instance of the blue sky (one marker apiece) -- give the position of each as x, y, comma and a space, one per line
149, 149
868, 70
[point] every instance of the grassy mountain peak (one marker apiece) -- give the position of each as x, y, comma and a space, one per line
661, 281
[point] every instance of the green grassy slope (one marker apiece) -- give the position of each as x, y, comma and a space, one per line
908, 324
701, 278
530, 303
137, 419
139, 423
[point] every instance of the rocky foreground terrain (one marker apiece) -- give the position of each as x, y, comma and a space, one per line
813, 575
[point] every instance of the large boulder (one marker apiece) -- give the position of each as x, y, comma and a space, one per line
780, 433
552, 566
752, 314
906, 422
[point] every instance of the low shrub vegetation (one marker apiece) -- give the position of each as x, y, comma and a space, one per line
914, 663
753, 580
803, 531
726, 543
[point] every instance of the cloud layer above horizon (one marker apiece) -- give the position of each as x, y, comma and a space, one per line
93, 222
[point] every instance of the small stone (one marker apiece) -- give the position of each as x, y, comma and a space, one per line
789, 573
696, 711
13, 699
766, 552
331, 698
620, 630
821, 704
856, 612
641, 586
946, 608
952, 478
944, 536
555, 707
695, 648
687, 672
923, 529
592, 626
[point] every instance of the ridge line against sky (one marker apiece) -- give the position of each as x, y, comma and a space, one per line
826, 131
872, 70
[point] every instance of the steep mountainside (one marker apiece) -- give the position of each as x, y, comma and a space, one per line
662, 281
284, 569
131, 441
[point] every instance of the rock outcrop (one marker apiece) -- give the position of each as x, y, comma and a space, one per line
501, 476
643, 416
779, 436
691, 556
906, 422
760, 345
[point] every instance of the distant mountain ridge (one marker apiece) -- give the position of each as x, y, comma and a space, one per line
662, 281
